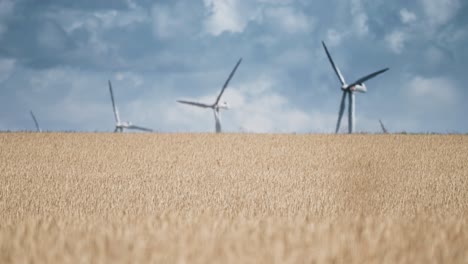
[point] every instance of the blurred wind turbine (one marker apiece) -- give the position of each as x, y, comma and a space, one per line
385, 131
35, 121
216, 105
349, 89
119, 125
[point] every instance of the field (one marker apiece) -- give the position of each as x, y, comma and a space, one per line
233, 198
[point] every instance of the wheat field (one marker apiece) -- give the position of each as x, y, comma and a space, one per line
233, 198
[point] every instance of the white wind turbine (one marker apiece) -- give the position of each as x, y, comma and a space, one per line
216, 105
349, 89
35, 121
120, 125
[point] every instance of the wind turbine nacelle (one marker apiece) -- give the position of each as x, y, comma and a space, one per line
359, 88
223, 105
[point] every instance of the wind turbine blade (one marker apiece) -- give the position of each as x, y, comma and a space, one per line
140, 128
383, 127
227, 81
337, 71
194, 103
370, 76
116, 113
340, 113
35, 121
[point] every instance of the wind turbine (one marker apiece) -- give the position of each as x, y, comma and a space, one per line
385, 131
216, 105
119, 125
348, 90
35, 121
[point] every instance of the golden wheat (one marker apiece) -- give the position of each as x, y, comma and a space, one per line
233, 198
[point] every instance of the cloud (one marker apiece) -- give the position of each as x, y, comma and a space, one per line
225, 16
434, 56
255, 107
406, 16
56, 58
120, 19
6, 68
434, 91
174, 20
289, 20
360, 19
396, 41
6, 7
234, 16
356, 23
66, 98
74, 20
439, 12
334, 37
52, 38
6, 10
267, 111
131, 78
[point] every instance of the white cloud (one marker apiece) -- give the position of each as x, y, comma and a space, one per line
359, 16
132, 5
255, 107
259, 108
293, 57
173, 20
6, 10
396, 41
360, 24
439, 12
406, 16
290, 20
72, 20
165, 25
434, 55
130, 78
115, 19
52, 37
3, 29
436, 91
66, 98
92, 44
452, 35
225, 15
355, 24
71, 112
234, 16
6, 68
334, 37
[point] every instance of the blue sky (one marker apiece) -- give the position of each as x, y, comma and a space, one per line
57, 55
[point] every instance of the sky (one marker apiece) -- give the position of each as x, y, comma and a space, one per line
56, 57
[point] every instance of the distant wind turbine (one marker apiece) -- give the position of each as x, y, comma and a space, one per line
216, 105
119, 125
349, 89
385, 131
35, 121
